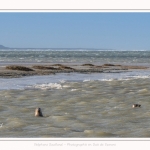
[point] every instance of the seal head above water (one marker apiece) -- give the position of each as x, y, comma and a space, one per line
38, 112
136, 105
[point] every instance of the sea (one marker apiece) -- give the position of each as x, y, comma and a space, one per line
76, 105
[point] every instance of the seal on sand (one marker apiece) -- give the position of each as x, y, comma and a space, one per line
38, 112
136, 105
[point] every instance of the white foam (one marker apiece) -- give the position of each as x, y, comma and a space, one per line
73, 89
86, 80
143, 77
143, 91
106, 80
47, 86
65, 86
62, 81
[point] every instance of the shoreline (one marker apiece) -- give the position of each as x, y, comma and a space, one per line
17, 71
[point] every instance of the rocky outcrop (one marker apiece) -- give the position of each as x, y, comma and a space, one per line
63, 66
44, 67
19, 71
20, 68
88, 65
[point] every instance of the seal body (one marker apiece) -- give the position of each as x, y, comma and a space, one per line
38, 112
136, 105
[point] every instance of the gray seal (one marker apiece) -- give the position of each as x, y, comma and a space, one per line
38, 112
136, 105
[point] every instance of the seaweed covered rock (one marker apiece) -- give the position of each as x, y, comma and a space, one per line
108, 65
87, 65
63, 66
44, 67
19, 68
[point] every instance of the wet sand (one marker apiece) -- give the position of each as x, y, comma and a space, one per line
16, 71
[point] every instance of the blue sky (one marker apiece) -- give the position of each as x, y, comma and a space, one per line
125, 31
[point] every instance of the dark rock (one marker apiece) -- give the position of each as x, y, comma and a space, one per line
44, 67
87, 65
20, 68
108, 65
63, 66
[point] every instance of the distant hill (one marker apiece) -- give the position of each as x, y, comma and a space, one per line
3, 47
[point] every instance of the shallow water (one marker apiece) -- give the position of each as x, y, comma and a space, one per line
76, 105
79, 108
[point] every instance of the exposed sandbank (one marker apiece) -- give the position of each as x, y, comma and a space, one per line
15, 71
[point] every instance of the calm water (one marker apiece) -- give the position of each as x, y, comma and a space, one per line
76, 105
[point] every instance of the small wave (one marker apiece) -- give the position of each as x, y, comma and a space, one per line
134, 77
107, 79
47, 86
143, 91
143, 77
62, 81
73, 89
86, 80
65, 86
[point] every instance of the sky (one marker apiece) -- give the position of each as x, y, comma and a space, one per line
120, 30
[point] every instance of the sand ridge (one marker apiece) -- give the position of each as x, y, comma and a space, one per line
15, 71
